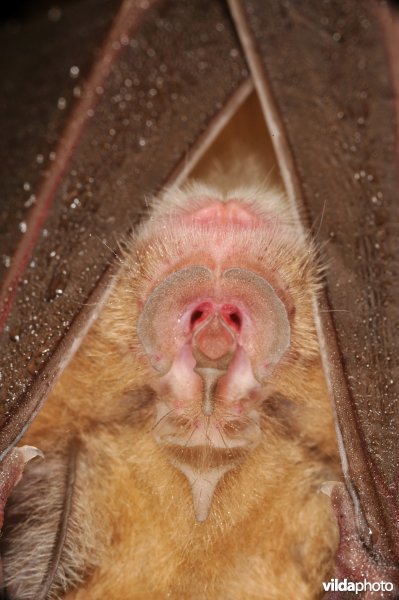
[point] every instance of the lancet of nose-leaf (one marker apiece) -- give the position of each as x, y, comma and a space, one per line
268, 335
159, 327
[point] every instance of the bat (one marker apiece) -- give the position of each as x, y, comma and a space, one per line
199, 452
200, 414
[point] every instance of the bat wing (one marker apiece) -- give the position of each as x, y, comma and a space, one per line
127, 105
100, 113
327, 90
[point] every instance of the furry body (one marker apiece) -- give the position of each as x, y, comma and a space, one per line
132, 532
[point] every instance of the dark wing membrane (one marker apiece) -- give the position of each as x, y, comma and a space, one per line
323, 77
107, 103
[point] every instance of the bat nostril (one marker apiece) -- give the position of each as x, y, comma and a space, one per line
235, 319
196, 316
200, 314
232, 316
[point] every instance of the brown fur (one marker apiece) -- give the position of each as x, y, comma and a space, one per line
270, 534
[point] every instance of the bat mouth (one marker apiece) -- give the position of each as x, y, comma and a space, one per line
221, 430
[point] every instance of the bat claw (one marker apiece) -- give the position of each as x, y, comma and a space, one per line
327, 487
29, 453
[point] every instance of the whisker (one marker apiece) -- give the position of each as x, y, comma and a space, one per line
161, 419
244, 418
221, 435
104, 243
208, 439
189, 437
321, 219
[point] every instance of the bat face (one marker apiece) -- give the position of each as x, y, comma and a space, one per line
216, 325
199, 411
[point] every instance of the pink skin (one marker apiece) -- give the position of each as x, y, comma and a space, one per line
237, 391
230, 313
218, 325
219, 217
226, 213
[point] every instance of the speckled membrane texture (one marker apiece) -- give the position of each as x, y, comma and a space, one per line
126, 106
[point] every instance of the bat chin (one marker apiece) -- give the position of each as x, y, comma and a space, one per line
204, 448
203, 485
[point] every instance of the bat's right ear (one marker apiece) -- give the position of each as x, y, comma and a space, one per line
164, 323
269, 334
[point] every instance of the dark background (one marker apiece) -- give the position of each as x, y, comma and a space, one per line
26, 9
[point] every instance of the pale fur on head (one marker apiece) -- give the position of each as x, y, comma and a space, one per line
288, 254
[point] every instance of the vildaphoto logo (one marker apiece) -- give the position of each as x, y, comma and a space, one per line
346, 585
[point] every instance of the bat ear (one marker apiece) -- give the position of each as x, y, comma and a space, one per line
268, 333
161, 327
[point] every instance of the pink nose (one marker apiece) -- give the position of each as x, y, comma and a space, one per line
215, 329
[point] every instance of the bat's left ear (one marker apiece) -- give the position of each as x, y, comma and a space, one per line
268, 335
